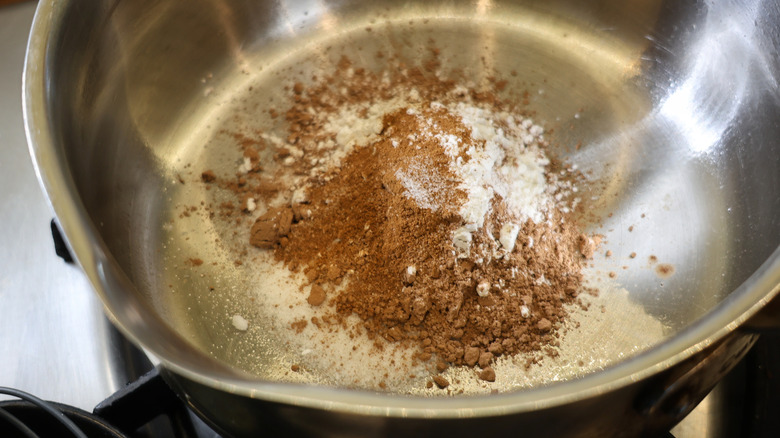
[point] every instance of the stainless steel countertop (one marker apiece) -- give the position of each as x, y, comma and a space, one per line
55, 341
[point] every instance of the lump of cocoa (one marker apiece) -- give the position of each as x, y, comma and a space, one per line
488, 374
586, 246
208, 176
471, 356
316, 295
496, 348
441, 382
268, 229
484, 359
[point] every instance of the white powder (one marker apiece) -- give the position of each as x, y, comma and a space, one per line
450, 143
240, 323
483, 288
329, 357
246, 166
422, 185
461, 238
508, 236
354, 129
352, 126
358, 130
505, 158
299, 196
510, 165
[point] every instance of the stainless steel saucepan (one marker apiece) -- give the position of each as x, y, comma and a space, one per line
675, 103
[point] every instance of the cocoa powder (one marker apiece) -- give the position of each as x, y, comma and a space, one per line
404, 279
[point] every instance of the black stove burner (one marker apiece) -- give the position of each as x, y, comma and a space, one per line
145, 408
32, 417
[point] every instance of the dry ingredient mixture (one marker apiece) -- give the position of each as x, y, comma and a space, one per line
426, 207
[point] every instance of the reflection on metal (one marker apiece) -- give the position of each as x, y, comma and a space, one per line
484, 6
728, 70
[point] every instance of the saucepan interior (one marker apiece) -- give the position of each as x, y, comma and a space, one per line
674, 108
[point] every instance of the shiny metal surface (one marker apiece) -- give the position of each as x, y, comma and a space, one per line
55, 341
679, 100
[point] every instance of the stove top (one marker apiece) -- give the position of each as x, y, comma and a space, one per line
56, 343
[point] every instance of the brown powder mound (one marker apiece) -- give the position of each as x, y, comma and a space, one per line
371, 245
404, 280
